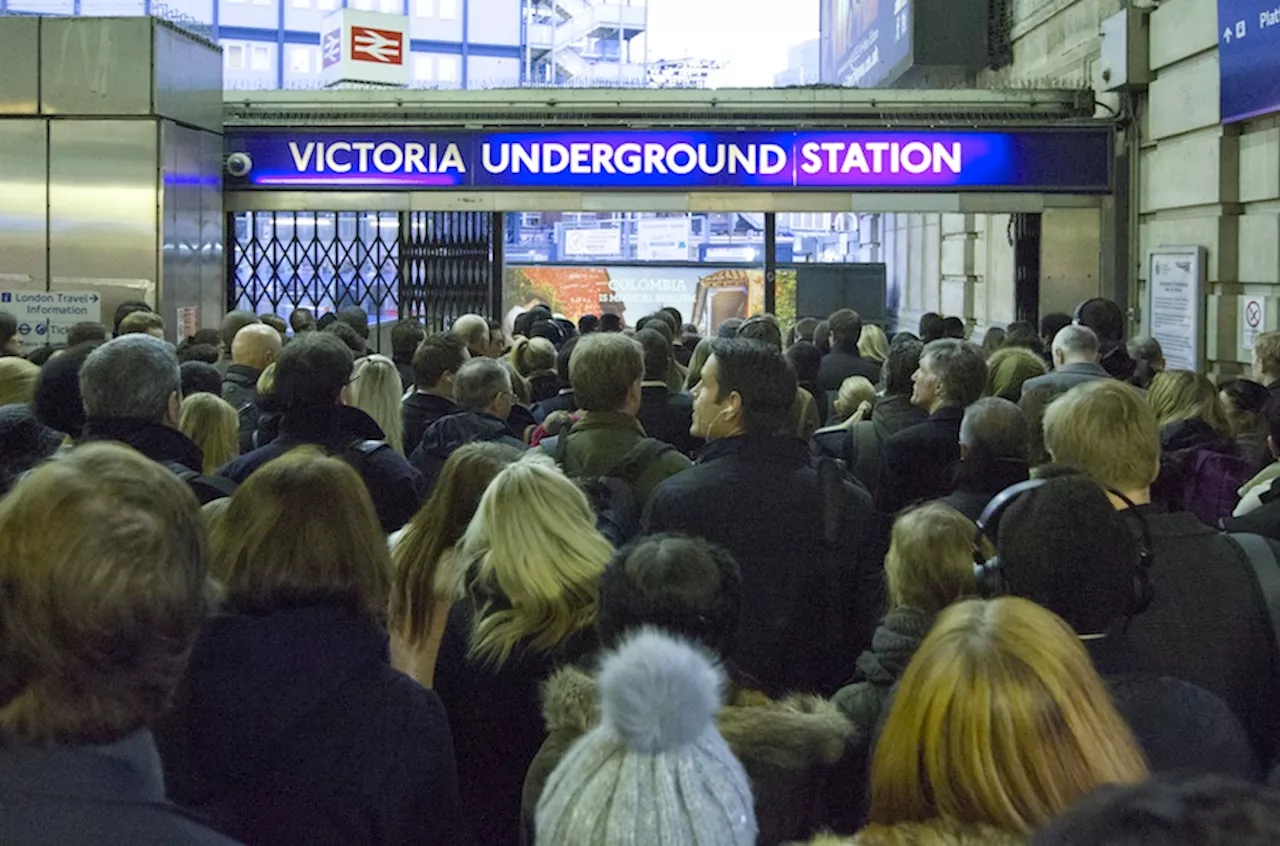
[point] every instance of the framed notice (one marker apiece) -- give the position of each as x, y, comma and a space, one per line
1175, 304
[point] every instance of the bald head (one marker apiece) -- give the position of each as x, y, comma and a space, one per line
256, 346
1075, 344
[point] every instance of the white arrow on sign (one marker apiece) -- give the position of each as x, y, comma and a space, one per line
374, 44
1226, 35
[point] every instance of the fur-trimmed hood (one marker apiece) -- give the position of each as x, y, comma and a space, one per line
790, 734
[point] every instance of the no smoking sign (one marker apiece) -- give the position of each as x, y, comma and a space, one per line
1253, 316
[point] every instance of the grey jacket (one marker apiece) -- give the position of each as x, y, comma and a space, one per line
1068, 376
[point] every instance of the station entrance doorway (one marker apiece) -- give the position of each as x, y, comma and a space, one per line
429, 205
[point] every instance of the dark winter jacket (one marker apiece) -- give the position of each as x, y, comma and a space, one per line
497, 728
668, 417
420, 410
859, 446
600, 440
1208, 624
444, 436
543, 386
808, 606
977, 481
1200, 471
163, 445
917, 463
293, 728
839, 365
785, 747
404, 366
24, 442
895, 642
562, 401
394, 486
240, 389
91, 795
1115, 359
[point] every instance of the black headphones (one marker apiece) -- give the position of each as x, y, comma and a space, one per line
992, 581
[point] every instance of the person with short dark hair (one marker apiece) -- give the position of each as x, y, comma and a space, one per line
807, 361
205, 353
931, 327
993, 455
844, 360
277, 323
57, 402
302, 320
665, 414
806, 541
200, 377
1170, 810
609, 322
143, 322
729, 327
1050, 325
483, 395
688, 588
125, 309
132, 392
289, 724
355, 317
311, 391
87, 330
436, 362
1107, 320
953, 327
587, 324
405, 337
103, 559
349, 337
916, 463
682, 349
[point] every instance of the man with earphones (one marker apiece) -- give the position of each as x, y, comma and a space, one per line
1208, 620
812, 580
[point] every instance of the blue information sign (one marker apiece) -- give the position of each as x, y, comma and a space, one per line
1249, 57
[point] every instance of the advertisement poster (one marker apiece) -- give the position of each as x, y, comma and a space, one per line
864, 41
706, 296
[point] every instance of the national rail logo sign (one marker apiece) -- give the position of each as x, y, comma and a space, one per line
376, 45
365, 47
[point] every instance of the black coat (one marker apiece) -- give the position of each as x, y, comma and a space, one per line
978, 481
404, 366
543, 386
163, 445
394, 486
293, 728
91, 795
420, 411
444, 437
808, 609
839, 365
497, 723
859, 445
668, 416
1207, 625
240, 389
562, 401
916, 463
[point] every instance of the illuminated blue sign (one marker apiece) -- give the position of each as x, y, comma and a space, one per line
899, 160
1249, 58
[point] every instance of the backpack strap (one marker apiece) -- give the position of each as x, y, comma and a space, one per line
638, 459
1263, 560
831, 482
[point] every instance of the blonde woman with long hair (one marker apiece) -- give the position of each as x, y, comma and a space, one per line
375, 390
533, 558
999, 724
873, 344
214, 426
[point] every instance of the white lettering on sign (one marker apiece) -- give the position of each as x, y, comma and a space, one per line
632, 158
45, 316
1269, 17
367, 157
886, 157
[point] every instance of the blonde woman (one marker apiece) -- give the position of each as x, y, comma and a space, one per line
534, 557
18, 379
214, 426
375, 390
929, 566
999, 724
426, 580
873, 344
535, 360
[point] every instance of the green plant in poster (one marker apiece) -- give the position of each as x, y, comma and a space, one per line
784, 302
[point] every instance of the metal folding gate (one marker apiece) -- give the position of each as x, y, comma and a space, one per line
432, 266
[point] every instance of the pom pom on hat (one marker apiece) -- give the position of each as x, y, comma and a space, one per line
658, 694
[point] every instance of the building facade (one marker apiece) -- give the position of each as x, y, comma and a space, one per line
802, 65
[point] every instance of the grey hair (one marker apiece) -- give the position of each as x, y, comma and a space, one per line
132, 376
471, 329
1145, 349
995, 428
1076, 341
479, 380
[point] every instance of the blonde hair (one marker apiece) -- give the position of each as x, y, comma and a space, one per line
537, 557
855, 398
1178, 395
999, 719
213, 424
267, 381
533, 355
376, 390
930, 561
873, 343
697, 361
18, 379
519, 384
419, 580
1266, 348
302, 531
1107, 430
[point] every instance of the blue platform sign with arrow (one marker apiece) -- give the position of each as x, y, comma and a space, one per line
1249, 58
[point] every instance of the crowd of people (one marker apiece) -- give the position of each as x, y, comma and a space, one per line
586, 583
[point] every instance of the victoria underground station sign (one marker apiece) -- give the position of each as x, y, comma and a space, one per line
1067, 160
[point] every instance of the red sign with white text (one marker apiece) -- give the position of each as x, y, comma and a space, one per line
378, 46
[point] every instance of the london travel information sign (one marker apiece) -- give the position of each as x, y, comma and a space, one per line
1076, 161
